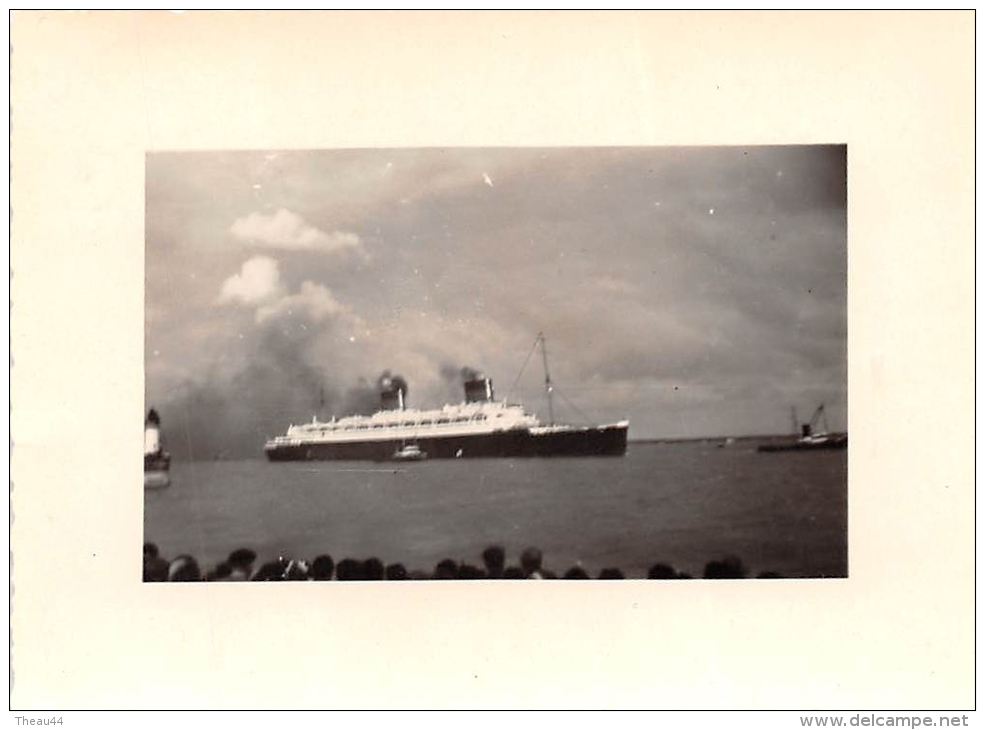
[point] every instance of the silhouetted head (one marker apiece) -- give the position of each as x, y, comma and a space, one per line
611, 574
714, 569
396, 571
576, 573
322, 568
728, 567
514, 573
219, 572
530, 560
469, 572
446, 570
661, 571
494, 557
735, 566
155, 567
372, 569
349, 569
184, 568
242, 558
274, 570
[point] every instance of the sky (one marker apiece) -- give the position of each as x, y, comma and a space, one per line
696, 291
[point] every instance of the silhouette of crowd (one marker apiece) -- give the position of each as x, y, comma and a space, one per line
241, 565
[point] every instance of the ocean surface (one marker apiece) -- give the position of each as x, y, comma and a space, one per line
682, 503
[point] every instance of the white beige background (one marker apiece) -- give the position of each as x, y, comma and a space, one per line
91, 93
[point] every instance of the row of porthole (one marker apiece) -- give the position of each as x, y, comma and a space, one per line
406, 424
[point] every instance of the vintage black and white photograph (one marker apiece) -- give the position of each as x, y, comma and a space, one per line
560, 321
496, 363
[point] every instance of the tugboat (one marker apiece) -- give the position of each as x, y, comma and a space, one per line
157, 461
410, 452
809, 440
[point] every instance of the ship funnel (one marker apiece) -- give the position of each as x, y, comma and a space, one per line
392, 399
478, 390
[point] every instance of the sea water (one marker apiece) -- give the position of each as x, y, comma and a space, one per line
682, 503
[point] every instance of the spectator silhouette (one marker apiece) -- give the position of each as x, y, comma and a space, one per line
661, 571
184, 569
531, 561
494, 557
272, 571
237, 566
469, 572
446, 570
728, 567
241, 563
611, 574
322, 568
155, 567
349, 569
221, 572
396, 571
296, 570
372, 569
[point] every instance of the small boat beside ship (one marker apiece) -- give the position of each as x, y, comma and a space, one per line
157, 461
811, 440
410, 452
479, 426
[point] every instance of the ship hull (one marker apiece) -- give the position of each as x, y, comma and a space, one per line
156, 479
599, 441
157, 462
157, 467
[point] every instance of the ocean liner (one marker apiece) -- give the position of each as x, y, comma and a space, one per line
479, 426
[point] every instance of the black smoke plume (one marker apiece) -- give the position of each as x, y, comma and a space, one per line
458, 375
364, 397
453, 377
231, 416
387, 380
222, 415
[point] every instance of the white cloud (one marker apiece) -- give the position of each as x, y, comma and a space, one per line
289, 231
314, 302
257, 282
258, 285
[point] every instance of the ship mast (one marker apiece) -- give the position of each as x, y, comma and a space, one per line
547, 379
